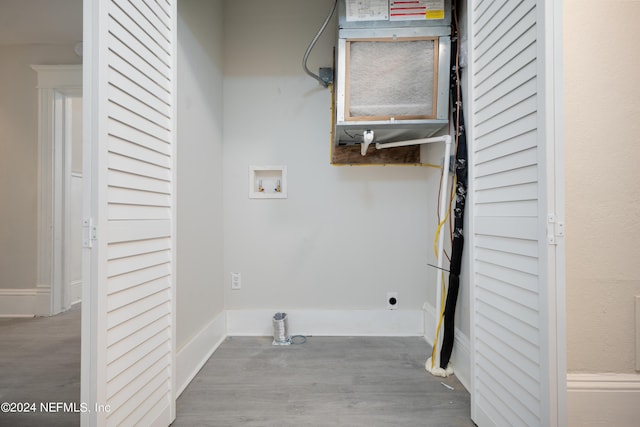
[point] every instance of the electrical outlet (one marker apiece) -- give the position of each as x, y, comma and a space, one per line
236, 281
392, 300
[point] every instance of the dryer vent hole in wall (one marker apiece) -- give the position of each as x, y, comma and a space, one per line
392, 300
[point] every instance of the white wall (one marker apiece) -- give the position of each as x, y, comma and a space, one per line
345, 235
602, 107
199, 286
19, 158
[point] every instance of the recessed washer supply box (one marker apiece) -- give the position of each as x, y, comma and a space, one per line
267, 182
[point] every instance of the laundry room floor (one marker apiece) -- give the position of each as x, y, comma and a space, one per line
327, 381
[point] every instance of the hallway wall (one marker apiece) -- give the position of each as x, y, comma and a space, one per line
602, 209
19, 161
603, 196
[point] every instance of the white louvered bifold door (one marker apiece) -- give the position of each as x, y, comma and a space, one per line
514, 368
128, 359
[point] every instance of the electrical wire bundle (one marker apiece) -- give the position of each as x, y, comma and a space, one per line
447, 315
457, 242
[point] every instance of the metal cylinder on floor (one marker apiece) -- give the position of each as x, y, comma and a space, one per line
280, 329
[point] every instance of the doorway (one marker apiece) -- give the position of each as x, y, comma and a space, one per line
60, 187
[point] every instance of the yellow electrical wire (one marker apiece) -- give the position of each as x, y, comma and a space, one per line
435, 250
438, 230
435, 340
430, 165
442, 302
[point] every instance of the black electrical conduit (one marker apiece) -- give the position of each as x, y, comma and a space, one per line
457, 243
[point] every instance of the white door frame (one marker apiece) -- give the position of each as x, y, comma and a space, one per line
554, 101
56, 84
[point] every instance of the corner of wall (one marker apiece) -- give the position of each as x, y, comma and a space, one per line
195, 353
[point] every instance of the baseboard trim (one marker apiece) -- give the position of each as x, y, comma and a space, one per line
429, 315
195, 353
328, 322
19, 302
75, 292
32, 302
604, 399
42, 304
461, 358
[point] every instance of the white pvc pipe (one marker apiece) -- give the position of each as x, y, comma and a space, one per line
444, 203
444, 138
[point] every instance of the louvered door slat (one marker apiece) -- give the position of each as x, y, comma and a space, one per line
513, 25
139, 72
119, 348
516, 160
138, 182
488, 149
517, 95
133, 166
150, 35
139, 391
517, 176
140, 292
135, 90
121, 383
135, 40
138, 277
139, 108
152, 78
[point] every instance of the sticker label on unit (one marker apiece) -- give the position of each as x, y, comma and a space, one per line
367, 10
409, 10
406, 10
435, 9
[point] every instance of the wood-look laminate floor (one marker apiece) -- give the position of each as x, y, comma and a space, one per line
328, 381
40, 362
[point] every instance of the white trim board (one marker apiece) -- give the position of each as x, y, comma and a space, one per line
328, 322
32, 302
461, 358
24, 302
603, 399
75, 292
195, 353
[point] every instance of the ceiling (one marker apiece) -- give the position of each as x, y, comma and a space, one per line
40, 21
